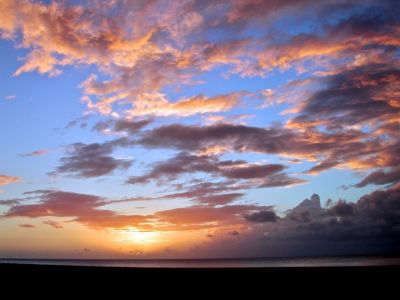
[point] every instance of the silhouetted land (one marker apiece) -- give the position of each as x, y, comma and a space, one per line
294, 276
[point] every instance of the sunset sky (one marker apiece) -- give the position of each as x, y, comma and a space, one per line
199, 128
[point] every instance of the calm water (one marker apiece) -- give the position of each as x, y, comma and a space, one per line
224, 263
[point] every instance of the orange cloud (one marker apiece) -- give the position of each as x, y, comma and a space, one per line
157, 104
147, 46
5, 179
86, 210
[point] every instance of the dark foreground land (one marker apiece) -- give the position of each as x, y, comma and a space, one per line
299, 276
69, 282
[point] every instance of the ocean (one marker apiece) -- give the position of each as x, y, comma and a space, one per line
348, 261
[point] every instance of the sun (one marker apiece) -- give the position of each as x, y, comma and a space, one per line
143, 237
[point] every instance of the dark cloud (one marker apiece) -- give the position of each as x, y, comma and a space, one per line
131, 126
367, 226
372, 87
381, 177
180, 164
10, 202
270, 175
373, 216
262, 217
210, 193
252, 171
221, 199
54, 224
121, 125
91, 160
324, 165
329, 147
79, 121
238, 137
233, 232
27, 226
343, 209
280, 179
251, 10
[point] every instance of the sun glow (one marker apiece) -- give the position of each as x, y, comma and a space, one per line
142, 237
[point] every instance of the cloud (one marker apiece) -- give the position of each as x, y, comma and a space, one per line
54, 224
254, 9
121, 125
10, 97
252, 171
35, 153
170, 169
324, 165
80, 208
86, 209
304, 229
184, 163
6, 179
373, 216
262, 216
91, 160
149, 47
27, 226
381, 177
343, 209
231, 119
308, 145
369, 226
221, 199
338, 103
156, 104
202, 217
234, 233
241, 138
40, 61
9, 202
209, 193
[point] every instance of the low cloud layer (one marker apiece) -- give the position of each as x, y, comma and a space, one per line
251, 229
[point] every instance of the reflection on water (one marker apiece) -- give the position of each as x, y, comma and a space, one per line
222, 263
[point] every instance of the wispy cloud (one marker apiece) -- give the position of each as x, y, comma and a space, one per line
35, 153
10, 97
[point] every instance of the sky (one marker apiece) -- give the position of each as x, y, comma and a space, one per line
199, 129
